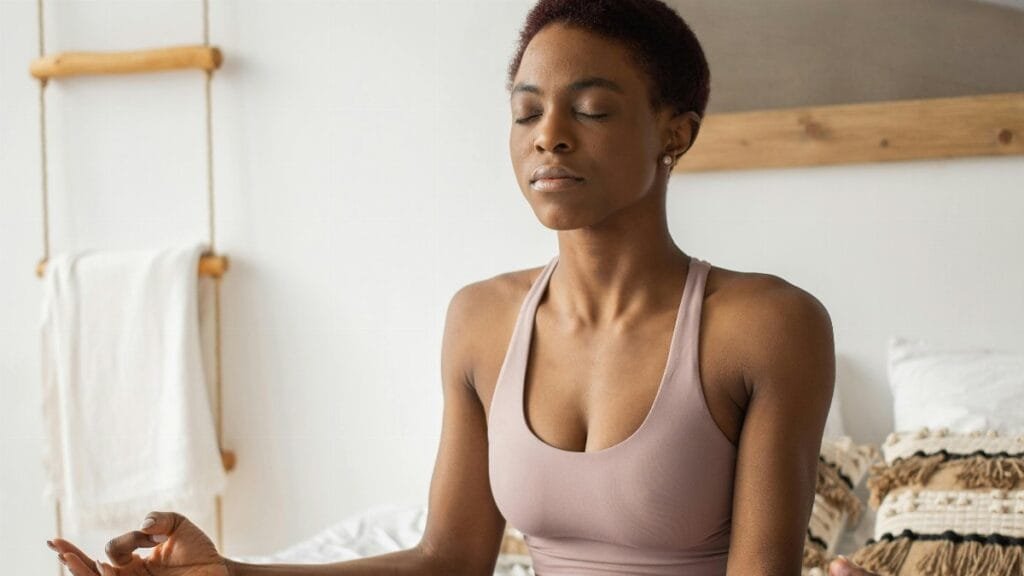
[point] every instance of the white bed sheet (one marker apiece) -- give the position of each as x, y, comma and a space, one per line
376, 531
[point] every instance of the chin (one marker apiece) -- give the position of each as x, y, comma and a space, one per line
561, 218
568, 210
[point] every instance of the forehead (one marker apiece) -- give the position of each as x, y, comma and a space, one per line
560, 54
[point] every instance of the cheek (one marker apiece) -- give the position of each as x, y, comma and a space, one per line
623, 161
519, 152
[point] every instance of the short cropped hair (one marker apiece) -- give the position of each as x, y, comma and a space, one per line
661, 42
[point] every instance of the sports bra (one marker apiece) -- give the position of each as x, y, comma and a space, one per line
657, 503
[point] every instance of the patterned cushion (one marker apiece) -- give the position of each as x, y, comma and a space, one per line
947, 503
841, 466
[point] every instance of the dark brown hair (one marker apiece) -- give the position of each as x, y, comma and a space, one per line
661, 43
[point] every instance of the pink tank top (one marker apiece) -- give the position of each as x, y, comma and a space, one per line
659, 502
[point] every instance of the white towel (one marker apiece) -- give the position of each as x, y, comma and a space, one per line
127, 412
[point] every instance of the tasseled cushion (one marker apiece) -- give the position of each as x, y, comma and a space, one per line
948, 504
841, 466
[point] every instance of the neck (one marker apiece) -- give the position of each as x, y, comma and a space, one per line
605, 278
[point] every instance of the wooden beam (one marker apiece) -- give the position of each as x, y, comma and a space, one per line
156, 60
209, 265
986, 125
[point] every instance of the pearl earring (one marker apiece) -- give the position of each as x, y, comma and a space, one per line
666, 159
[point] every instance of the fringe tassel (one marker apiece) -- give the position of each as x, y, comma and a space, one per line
975, 472
1012, 561
972, 558
987, 472
903, 472
814, 556
949, 558
885, 557
832, 488
942, 557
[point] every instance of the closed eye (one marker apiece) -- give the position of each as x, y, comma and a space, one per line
528, 119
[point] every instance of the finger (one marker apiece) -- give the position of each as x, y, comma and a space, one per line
78, 567
105, 569
62, 546
164, 523
120, 550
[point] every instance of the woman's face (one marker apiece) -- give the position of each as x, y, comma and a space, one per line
580, 102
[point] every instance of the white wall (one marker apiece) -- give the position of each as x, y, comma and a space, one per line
362, 176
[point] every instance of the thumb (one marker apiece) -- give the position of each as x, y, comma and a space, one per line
161, 525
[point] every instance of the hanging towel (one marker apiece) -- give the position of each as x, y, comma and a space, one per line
126, 408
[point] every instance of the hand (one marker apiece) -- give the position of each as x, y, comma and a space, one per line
842, 566
181, 549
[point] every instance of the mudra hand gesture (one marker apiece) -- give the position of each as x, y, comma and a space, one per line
181, 549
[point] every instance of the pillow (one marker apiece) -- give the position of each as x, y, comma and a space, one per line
841, 466
949, 493
961, 389
948, 503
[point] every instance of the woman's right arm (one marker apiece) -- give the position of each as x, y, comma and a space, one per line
464, 527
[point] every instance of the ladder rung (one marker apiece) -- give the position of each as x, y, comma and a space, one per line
155, 60
213, 266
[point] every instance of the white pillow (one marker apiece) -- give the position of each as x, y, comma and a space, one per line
961, 389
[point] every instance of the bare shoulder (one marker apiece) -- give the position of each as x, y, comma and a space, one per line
481, 317
486, 296
767, 318
747, 292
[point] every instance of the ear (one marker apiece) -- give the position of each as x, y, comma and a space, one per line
682, 131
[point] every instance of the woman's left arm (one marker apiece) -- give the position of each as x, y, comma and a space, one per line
784, 337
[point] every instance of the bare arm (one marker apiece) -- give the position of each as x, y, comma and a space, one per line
788, 348
789, 370
464, 527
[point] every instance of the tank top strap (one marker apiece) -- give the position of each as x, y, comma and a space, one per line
509, 388
689, 385
533, 296
694, 301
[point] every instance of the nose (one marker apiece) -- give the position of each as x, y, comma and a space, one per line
553, 134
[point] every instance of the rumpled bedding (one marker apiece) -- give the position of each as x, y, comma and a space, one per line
378, 530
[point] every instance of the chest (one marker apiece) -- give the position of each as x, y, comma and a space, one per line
587, 390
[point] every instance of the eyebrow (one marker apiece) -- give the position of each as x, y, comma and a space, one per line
582, 84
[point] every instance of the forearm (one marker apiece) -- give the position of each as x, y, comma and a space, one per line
409, 562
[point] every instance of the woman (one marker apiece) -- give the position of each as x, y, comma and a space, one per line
629, 407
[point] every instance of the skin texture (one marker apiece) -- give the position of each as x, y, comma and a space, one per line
766, 346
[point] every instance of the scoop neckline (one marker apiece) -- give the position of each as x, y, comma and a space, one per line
671, 364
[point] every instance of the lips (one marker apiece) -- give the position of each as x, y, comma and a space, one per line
549, 171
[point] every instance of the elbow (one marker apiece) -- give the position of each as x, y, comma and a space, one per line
440, 563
